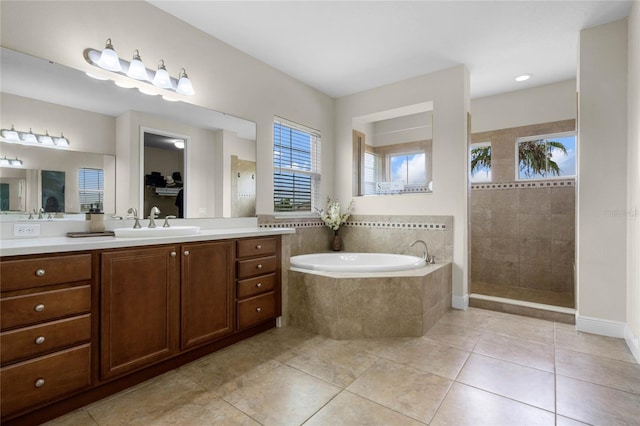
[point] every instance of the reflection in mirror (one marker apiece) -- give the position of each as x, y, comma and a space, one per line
57, 181
164, 173
392, 151
28, 80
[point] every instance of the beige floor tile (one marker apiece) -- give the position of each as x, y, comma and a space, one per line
535, 330
470, 318
204, 410
283, 396
334, 362
595, 404
427, 355
348, 409
524, 352
414, 393
282, 344
459, 337
607, 347
76, 418
601, 371
565, 421
524, 384
146, 403
465, 405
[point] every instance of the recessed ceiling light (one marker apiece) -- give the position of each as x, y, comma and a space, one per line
524, 77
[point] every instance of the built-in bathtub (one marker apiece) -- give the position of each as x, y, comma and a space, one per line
356, 262
343, 304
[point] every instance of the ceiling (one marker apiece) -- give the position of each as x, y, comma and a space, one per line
344, 47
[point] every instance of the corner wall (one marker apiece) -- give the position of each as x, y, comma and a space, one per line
602, 180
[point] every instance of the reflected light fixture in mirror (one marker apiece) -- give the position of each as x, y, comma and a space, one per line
28, 138
135, 72
10, 163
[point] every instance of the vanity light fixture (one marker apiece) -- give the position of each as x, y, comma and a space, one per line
16, 162
29, 137
11, 163
523, 77
136, 71
5, 161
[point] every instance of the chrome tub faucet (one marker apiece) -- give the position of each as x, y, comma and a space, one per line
425, 254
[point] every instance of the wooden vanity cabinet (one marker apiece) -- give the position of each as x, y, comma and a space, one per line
46, 306
140, 297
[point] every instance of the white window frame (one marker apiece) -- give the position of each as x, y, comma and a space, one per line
536, 137
479, 145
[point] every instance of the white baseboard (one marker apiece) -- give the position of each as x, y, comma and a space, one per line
600, 326
460, 302
633, 342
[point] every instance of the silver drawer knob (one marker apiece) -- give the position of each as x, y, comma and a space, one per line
259, 266
173, 254
186, 252
259, 285
40, 272
258, 309
39, 307
39, 383
259, 247
39, 340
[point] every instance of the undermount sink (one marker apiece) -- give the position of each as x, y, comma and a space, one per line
172, 231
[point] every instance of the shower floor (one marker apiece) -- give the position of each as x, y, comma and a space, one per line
555, 298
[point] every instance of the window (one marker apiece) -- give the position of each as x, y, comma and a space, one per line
546, 156
296, 167
372, 172
91, 189
480, 162
409, 168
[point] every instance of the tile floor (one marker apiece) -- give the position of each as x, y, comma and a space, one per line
474, 367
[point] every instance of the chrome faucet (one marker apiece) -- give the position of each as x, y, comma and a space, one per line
40, 216
134, 212
152, 216
166, 221
425, 255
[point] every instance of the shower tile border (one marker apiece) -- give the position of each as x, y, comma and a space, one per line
560, 183
359, 224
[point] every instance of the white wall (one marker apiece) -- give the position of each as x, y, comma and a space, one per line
225, 79
542, 104
633, 183
449, 91
601, 193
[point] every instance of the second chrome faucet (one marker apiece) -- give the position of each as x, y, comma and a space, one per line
152, 216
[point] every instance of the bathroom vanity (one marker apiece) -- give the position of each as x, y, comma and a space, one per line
92, 318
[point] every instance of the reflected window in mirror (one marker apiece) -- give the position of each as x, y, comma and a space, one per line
480, 162
91, 189
53, 188
296, 167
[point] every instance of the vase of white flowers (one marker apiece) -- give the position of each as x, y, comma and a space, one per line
334, 219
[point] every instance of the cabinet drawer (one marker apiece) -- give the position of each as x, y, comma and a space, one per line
253, 267
29, 273
38, 339
45, 306
256, 247
255, 310
254, 286
43, 379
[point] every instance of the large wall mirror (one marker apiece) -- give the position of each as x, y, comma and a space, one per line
102, 119
392, 151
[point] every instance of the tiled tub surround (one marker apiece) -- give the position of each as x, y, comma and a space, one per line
366, 305
522, 233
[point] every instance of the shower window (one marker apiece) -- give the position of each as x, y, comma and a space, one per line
480, 162
91, 189
546, 156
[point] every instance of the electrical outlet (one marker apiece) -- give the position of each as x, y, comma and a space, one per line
26, 230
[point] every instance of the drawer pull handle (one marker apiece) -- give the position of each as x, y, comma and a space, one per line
39, 340
259, 285
40, 272
39, 307
259, 247
186, 252
173, 254
39, 383
259, 266
258, 309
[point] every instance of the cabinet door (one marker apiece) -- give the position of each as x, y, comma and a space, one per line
140, 308
207, 292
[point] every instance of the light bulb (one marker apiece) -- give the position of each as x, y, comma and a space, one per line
184, 84
29, 137
61, 141
162, 78
109, 58
137, 69
45, 139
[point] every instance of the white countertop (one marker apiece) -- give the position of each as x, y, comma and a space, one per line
41, 245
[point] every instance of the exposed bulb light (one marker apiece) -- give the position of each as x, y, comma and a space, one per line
109, 58
137, 69
45, 139
11, 135
29, 137
179, 144
184, 84
524, 77
162, 78
61, 141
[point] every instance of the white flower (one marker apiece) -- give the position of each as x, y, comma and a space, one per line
332, 217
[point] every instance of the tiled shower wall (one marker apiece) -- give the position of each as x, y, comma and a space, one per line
522, 233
